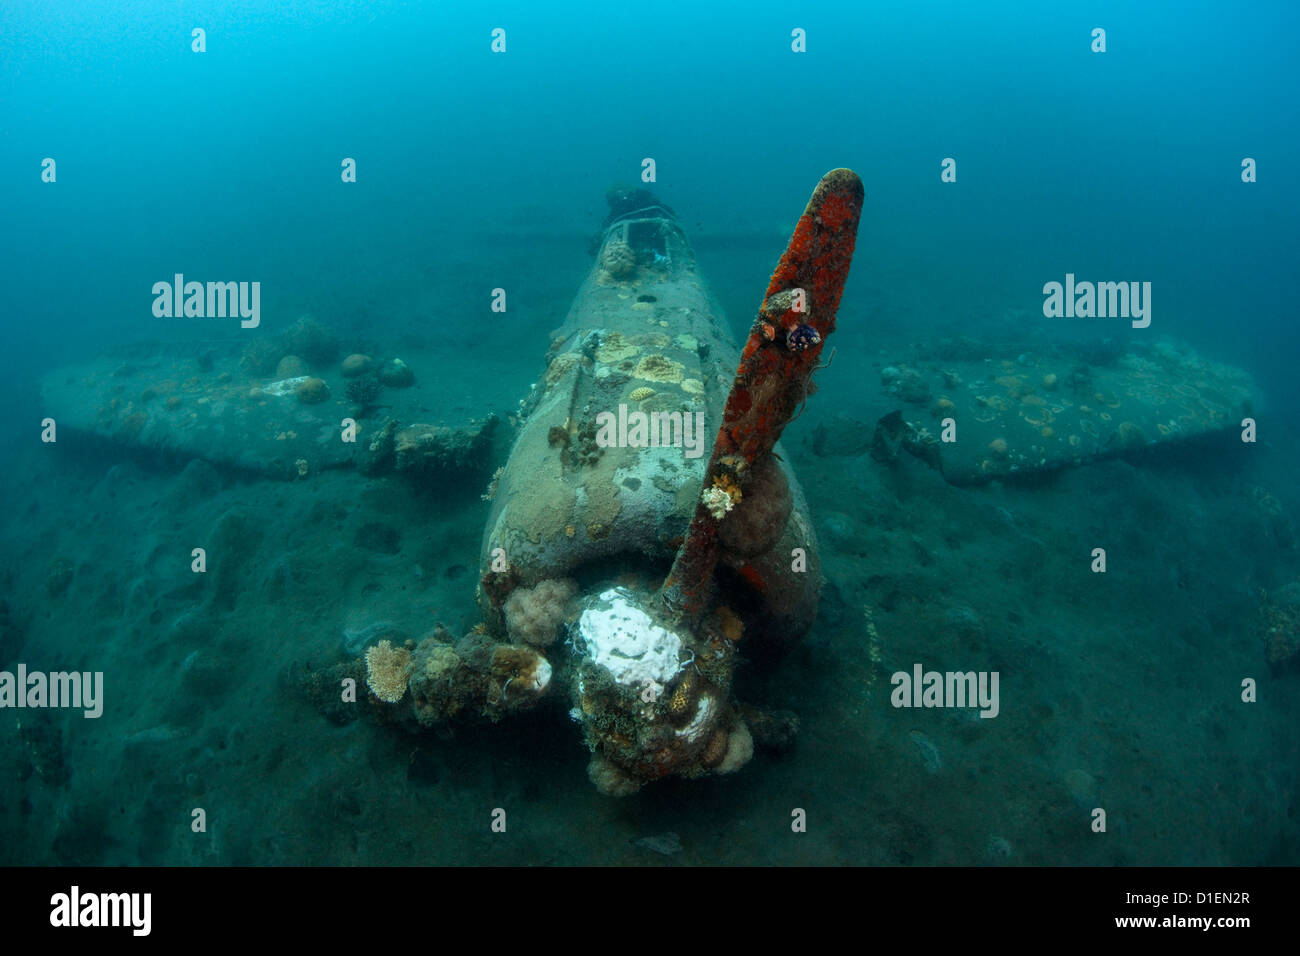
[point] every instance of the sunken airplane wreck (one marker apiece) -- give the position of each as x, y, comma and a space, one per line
622, 571
645, 531
977, 417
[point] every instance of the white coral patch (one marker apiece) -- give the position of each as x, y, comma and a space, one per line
622, 638
717, 501
286, 386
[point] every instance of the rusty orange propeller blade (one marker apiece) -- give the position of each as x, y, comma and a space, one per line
785, 343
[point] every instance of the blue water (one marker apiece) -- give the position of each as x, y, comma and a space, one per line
478, 169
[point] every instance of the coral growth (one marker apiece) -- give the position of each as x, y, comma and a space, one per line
583, 450
356, 364
396, 374
438, 689
622, 639
614, 347
659, 368
717, 501
534, 615
362, 390
290, 367
519, 673
388, 671
683, 700
802, 337
618, 260
1127, 436
312, 391
722, 496
740, 748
